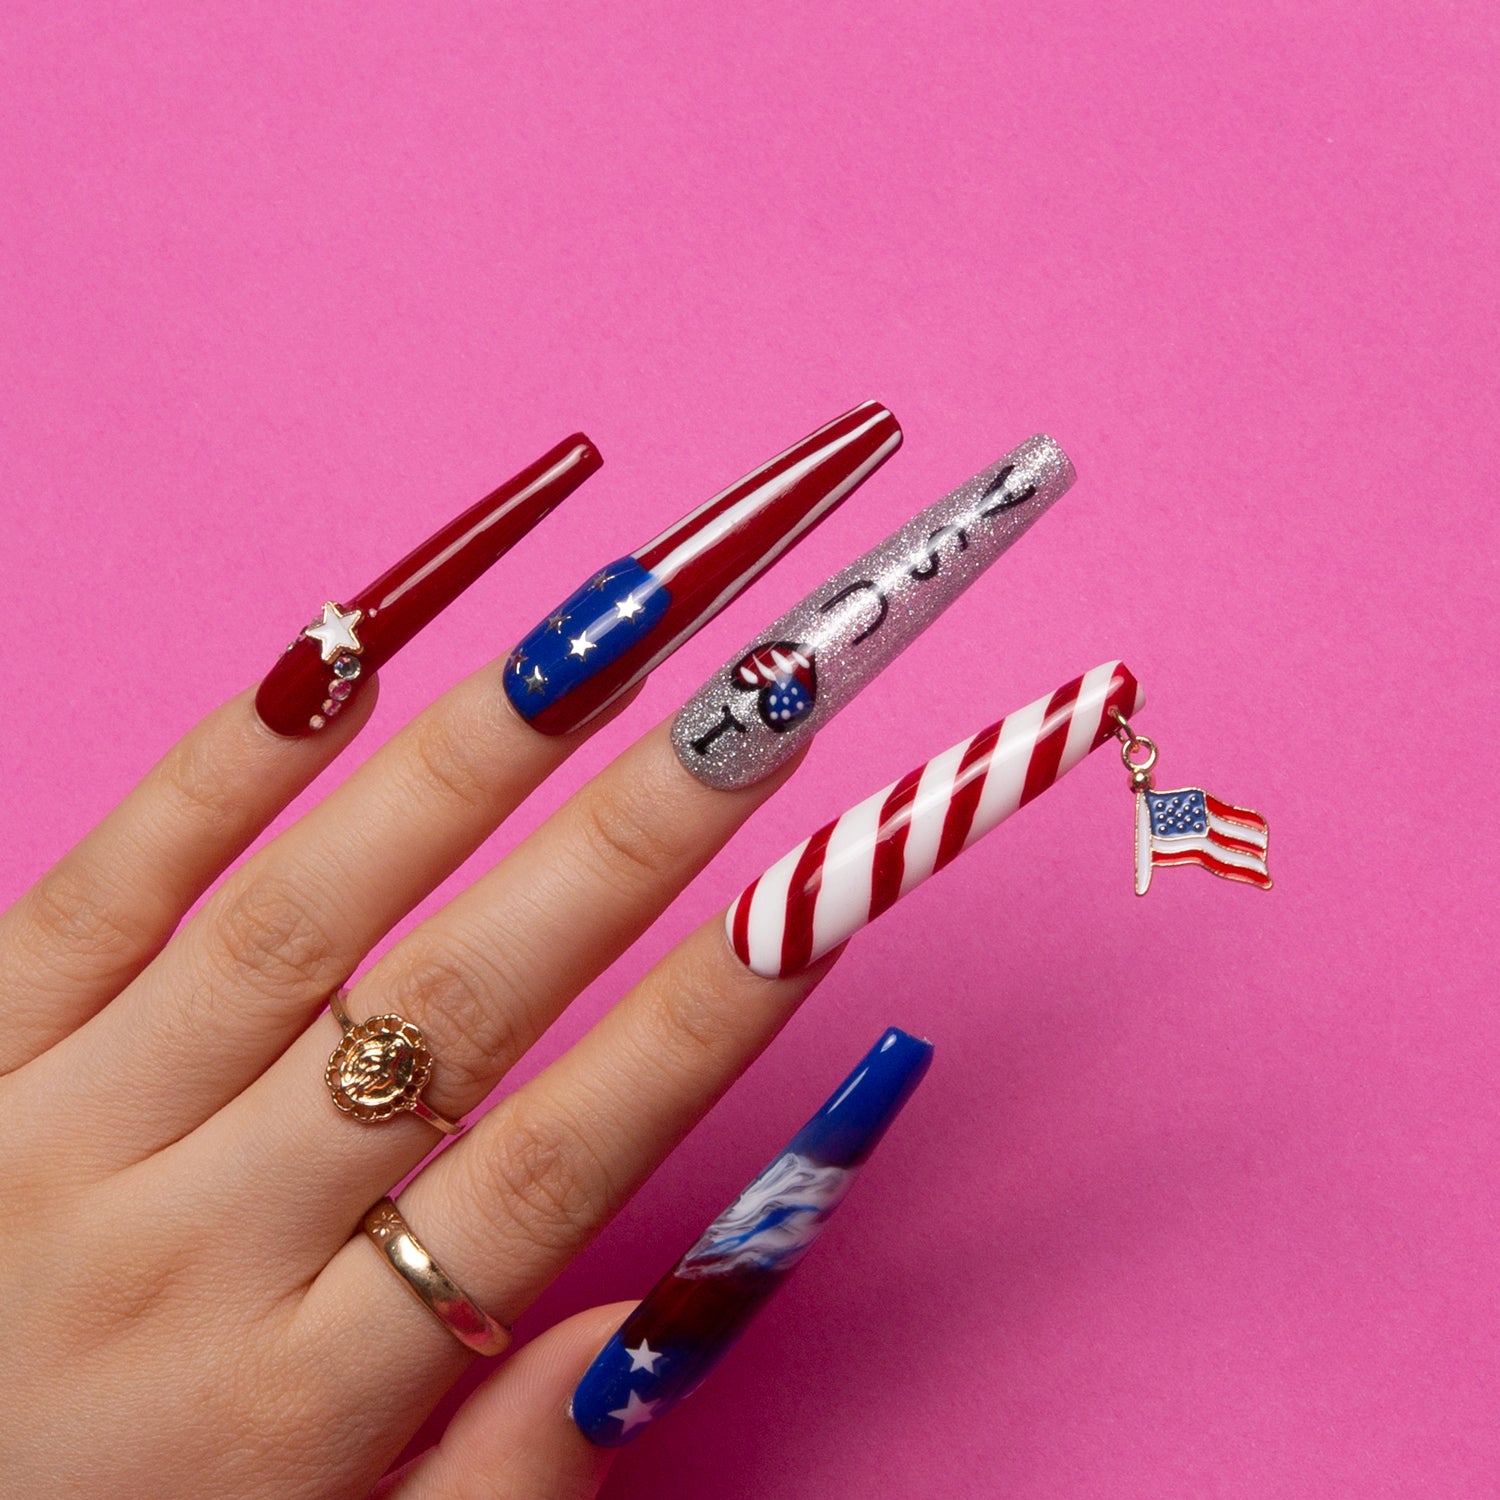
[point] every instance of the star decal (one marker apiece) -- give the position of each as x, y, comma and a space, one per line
335, 631
643, 1357
557, 621
635, 1412
600, 579
536, 681
518, 659
580, 646
628, 607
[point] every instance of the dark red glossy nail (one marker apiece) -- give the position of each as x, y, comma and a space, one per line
319, 672
634, 612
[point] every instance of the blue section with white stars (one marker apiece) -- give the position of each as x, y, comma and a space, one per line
785, 701
591, 628
1177, 815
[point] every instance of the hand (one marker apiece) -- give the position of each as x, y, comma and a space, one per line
195, 1309
192, 1307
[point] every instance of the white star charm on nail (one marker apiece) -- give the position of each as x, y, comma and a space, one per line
628, 607
643, 1357
335, 631
580, 646
635, 1412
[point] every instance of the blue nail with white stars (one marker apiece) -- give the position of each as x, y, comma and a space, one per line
670, 1343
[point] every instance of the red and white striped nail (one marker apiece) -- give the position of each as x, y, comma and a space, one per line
850, 871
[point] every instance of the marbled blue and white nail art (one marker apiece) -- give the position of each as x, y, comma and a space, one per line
684, 1327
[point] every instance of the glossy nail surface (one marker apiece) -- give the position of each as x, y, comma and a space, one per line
684, 1327
317, 674
634, 612
852, 869
751, 717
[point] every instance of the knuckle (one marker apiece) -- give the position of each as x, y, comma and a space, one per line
446, 758
265, 935
80, 913
629, 836
464, 1003
191, 777
687, 1030
545, 1177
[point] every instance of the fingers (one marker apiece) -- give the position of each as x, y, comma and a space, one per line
511, 1203
512, 1439
93, 922
263, 953
483, 978
252, 967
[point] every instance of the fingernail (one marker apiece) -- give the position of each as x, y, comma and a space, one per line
850, 871
670, 1342
634, 612
753, 716
318, 673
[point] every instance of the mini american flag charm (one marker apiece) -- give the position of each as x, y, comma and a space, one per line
1189, 826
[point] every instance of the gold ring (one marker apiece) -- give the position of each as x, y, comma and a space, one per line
380, 1068
465, 1320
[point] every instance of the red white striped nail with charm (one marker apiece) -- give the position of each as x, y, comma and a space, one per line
318, 672
852, 869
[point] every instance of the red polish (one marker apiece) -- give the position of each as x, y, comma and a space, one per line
355, 636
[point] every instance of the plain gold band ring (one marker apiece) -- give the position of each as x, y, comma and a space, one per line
380, 1068
430, 1285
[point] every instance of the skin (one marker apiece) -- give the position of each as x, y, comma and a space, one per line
192, 1309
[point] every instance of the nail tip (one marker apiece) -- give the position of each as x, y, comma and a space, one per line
307, 686
803, 906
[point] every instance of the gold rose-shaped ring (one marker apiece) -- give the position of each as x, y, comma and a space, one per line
380, 1068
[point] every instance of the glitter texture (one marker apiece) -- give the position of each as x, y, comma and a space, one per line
736, 730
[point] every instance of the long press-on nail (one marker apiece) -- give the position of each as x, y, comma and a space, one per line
697, 1310
850, 871
634, 612
753, 716
315, 676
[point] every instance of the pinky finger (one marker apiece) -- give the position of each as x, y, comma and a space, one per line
513, 1439
104, 911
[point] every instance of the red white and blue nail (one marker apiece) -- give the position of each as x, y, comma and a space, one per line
685, 1326
634, 612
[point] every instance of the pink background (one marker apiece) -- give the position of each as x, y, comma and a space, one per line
1199, 1196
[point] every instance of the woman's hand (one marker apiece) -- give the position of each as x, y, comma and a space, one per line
192, 1308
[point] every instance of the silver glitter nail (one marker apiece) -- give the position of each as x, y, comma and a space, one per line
751, 717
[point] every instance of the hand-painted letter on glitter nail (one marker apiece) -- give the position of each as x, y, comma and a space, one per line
752, 716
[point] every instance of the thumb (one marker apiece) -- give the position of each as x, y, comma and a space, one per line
513, 1439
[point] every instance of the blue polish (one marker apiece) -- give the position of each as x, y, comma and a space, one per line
590, 612
697, 1311
849, 1126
